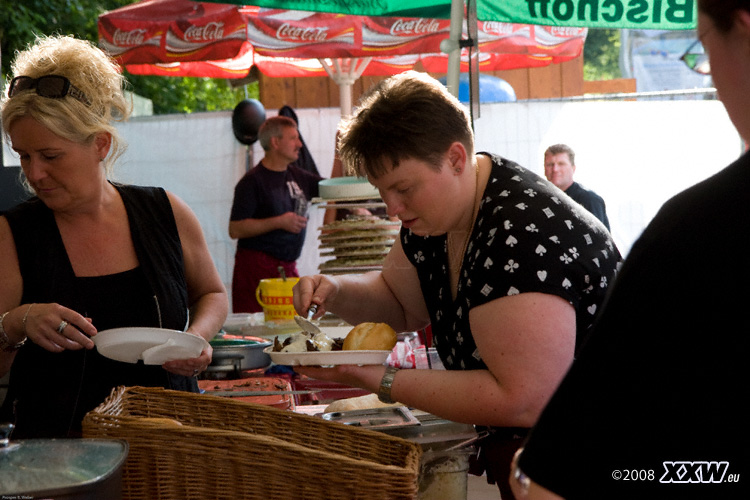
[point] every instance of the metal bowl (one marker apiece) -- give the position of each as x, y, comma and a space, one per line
239, 354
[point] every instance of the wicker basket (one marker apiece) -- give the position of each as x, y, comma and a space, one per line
230, 449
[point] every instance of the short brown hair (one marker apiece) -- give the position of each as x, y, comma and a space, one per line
557, 149
722, 12
409, 115
274, 127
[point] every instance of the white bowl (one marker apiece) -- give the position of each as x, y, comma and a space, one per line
237, 323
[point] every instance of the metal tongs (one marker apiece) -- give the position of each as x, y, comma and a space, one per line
306, 323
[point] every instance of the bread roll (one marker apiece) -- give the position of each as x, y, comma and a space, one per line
161, 421
365, 402
370, 337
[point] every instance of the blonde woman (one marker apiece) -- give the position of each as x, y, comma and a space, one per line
86, 254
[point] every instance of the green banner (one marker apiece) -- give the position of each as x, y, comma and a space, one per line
439, 9
633, 14
614, 14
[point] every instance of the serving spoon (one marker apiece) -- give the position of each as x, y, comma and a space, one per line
306, 323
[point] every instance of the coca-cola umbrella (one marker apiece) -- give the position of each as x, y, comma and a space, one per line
609, 14
186, 38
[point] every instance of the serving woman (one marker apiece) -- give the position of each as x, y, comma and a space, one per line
508, 271
86, 254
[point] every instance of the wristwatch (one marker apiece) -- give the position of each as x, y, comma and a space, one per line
384, 391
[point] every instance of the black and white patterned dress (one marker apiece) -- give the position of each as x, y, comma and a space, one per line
528, 237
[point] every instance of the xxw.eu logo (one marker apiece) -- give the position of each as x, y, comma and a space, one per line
697, 472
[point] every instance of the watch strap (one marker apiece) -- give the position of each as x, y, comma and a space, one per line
384, 391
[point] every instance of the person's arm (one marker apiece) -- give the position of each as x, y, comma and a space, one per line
526, 489
36, 323
243, 221
11, 289
526, 340
391, 296
249, 228
595, 204
206, 293
337, 170
602, 215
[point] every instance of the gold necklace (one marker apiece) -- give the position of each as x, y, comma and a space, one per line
456, 259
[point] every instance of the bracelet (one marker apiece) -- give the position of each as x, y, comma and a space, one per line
384, 391
24, 321
3, 336
5, 344
524, 483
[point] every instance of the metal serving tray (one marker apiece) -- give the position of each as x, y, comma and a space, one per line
390, 417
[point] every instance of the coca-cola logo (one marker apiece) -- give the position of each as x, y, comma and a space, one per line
129, 38
418, 26
497, 28
563, 31
208, 33
304, 34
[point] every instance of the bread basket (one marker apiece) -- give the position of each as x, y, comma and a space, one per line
196, 446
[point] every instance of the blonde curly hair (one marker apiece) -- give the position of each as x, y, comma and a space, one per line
90, 70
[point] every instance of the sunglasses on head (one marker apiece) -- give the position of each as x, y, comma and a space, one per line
52, 86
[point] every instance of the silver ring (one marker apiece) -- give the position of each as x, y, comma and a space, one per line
196, 372
62, 326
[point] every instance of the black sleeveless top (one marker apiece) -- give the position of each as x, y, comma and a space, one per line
49, 393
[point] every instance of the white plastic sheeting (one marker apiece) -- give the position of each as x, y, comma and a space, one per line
635, 154
198, 158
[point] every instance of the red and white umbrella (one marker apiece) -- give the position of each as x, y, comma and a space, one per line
186, 38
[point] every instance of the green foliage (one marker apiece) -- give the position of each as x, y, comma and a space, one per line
601, 55
20, 22
189, 95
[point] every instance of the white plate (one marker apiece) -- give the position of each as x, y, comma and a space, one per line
336, 332
155, 346
327, 358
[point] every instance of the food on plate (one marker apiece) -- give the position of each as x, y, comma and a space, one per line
354, 251
352, 222
369, 241
307, 342
370, 337
363, 337
352, 262
364, 235
358, 244
366, 402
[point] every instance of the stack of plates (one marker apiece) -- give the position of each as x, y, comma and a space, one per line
356, 244
351, 188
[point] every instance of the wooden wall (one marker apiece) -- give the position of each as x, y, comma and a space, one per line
555, 80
